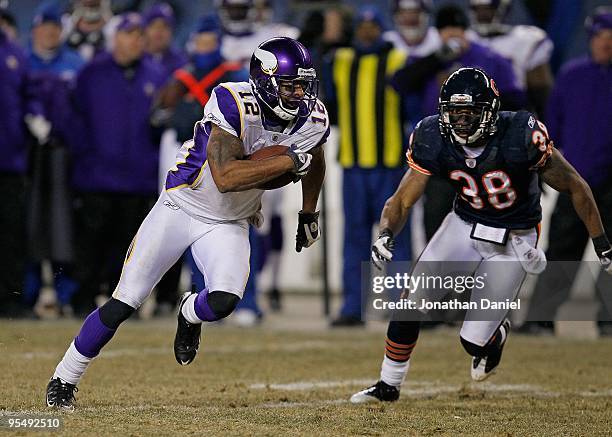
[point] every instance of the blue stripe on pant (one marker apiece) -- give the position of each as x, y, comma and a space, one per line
364, 193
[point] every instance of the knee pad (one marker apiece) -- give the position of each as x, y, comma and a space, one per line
222, 303
114, 312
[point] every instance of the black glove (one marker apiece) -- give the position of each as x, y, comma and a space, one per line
604, 252
308, 230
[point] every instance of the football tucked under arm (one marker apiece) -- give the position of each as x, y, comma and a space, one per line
268, 153
231, 172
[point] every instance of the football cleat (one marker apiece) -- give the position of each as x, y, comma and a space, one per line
380, 391
60, 394
483, 367
187, 339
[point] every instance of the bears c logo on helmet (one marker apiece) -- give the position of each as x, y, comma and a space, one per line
494, 87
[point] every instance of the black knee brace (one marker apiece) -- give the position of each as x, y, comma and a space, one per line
222, 303
114, 312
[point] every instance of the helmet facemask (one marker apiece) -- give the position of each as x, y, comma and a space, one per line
237, 17
487, 15
288, 96
465, 123
412, 24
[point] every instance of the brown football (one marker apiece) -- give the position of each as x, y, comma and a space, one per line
270, 152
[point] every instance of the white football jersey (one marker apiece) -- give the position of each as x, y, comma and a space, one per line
234, 108
430, 43
526, 47
241, 48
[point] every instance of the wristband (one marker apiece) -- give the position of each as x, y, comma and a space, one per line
601, 244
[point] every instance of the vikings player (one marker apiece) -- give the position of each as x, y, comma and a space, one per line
414, 34
528, 47
211, 196
244, 28
495, 162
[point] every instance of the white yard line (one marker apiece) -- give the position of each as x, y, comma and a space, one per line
428, 388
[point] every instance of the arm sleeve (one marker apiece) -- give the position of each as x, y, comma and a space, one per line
223, 110
538, 143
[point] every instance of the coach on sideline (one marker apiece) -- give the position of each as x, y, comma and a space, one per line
369, 115
115, 158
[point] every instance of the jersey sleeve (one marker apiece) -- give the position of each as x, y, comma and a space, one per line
223, 109
538, 143
421, 157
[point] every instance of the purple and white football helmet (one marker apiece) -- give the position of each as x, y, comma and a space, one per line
284, 61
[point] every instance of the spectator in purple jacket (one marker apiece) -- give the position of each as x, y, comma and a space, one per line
159, 31
115, 157
579, 120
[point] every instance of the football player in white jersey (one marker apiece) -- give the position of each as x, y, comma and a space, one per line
211, 197
528, 47
246, 24
414, 34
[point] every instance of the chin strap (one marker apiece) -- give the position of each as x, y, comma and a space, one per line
472, 138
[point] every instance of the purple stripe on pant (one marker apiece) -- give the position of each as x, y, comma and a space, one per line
93, 335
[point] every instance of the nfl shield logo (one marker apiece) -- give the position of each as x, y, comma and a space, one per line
471, 163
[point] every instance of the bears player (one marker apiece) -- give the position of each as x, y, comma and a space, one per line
210, 197
495, 162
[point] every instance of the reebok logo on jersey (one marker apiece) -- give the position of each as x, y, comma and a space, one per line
171, 205
212, 118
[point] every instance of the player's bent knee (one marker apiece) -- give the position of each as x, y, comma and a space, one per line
114, 312
222, 303
473, 349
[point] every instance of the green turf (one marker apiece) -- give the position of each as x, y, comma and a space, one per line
545, 386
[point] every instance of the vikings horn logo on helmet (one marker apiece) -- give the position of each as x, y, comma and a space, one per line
269, 63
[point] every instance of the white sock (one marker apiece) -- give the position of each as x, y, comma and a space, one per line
393, 372
72, 366
188, 310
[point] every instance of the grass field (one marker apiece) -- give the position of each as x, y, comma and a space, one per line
273, 380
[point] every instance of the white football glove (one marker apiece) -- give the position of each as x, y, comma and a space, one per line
604, 252
301, 160
382, 250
